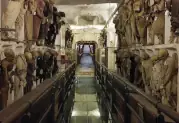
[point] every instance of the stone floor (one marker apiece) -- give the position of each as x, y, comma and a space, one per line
85, 109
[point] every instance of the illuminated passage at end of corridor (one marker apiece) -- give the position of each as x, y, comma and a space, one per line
85, 108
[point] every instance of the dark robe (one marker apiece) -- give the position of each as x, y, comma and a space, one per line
29, 77
39, 71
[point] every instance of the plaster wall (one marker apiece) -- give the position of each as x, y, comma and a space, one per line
60, 40
111, 46
103, 11
111, 58
85, 36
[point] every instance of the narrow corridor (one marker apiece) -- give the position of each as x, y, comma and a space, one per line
85, 108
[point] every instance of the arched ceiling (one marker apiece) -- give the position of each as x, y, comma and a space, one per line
78, 2
93, 14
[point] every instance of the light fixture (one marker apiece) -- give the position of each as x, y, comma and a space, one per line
95, 113
100, 27
74, 113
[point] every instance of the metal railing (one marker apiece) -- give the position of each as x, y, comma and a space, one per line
50, 102
128, 104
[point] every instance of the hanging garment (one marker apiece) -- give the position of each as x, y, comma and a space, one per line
147, 73
68, 38
172, 6
50, 29
50, 64
46, 9
3, 88
133, 28
142, 30
29, 77
60, 21
11, 13
55, 15
20, 22
28, 25
44, 25
158, 26
39, 71
4, 83
9, 17
4, 4
37, 19
55, 66
132, 69
20, 77
138, 73
50, 13
158, 73
170, 81
32, 7
43, 30
51, 35
175, 13
47, 67
55, 19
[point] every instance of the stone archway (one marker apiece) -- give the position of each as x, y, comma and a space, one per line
86, 50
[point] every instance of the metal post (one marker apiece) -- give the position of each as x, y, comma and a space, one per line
127, 111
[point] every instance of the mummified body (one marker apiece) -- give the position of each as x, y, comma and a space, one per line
118, 61
30, 70
31, 9
169, 86
20, 20
44, 25
9, 17
133, 23
37, 19
146, 68
138, 72
126, 26
164, 78
5, 79
158, 24
140, 20
125, 65
20, 76
172, 6
39, 70
119, 29
157, 77
122, 25
48, 65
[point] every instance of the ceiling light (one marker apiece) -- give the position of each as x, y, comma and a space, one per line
100, 27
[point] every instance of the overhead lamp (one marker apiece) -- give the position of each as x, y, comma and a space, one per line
100, 27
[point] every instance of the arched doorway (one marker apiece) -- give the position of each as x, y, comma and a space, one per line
86, 53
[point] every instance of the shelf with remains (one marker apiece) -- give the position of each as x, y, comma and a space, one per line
7, 29
10, 39
161, 46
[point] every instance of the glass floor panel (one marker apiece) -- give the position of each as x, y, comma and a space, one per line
85, 108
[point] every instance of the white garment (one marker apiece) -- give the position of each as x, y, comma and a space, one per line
11, 13
20, 23
10, 97
21, 65
157, 76
18, 89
